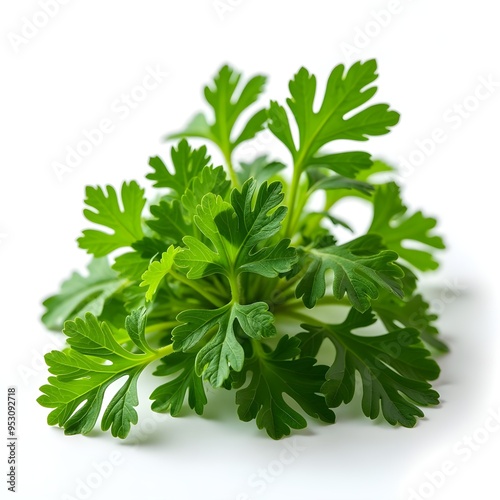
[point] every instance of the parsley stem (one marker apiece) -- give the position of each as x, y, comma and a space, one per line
162, 352
232, 174
285, 301
161, 326
204, 293
330, 299
297, 172
304, 318
235, 288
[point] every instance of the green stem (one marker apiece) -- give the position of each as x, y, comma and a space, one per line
241, 289
162, 352
207, 295
289, 303
161, 326
299, 209
232, 174
330, 299
235, 289
304, 318
297, 172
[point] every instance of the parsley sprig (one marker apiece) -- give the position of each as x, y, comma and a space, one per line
231, 277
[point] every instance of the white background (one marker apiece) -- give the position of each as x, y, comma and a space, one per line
67, 77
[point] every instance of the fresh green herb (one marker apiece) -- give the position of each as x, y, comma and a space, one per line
215, 281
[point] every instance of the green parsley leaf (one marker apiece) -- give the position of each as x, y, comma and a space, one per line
228, 100
210, 180
361, 277
347, 164
234, 229
173, 217
317, 181
369, 175
187, 162
390, 222
394, 368
170, 221
222, 350
412, 313
80, 294
345, 92
275, 373
260, 169
169, 397
126, 224
85, 371
130, 265
157, 270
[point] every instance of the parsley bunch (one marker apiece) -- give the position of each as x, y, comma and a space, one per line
201, 281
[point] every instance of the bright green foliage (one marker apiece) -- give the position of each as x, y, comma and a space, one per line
92, 363
169, 221
348, 164
233, 268
329, 182
157, 270
359, 276
345, 92
126, 225
234, 230
187, 163
228, 100
210, 180
222, 352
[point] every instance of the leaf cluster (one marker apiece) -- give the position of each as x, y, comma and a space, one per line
201, 279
